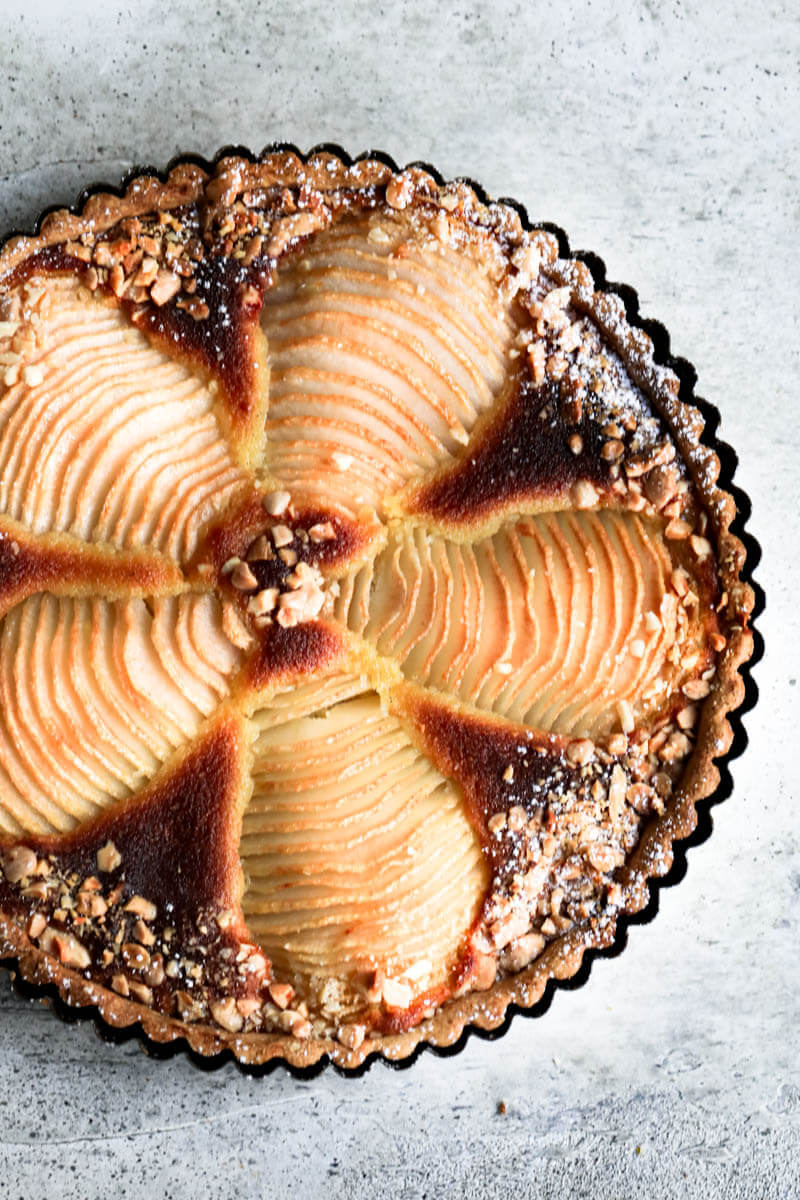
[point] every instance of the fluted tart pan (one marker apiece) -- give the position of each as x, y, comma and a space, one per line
371, 617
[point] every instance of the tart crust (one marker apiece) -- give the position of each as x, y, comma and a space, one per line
215, 189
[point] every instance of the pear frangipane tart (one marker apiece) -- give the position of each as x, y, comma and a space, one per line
370, 614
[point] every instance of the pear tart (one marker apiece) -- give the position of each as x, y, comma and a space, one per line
369, 611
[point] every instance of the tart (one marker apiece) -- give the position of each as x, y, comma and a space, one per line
370, 615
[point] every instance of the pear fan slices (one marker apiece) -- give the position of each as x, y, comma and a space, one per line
369, 612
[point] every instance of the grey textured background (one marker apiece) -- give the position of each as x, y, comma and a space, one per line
664, 136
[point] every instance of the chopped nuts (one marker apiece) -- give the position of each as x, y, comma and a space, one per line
399, 191
140, 991
484, 971
508, 930
640, 797
32, 375
143, 908
120, 984
537, 359
155, 974
143, 934
396, 994
322, 532
626, 716
660, 485
282, 535
617, 743
243, 578
584, 494
677, 530
108, 858
696, 689
36, 925
18, 862
700, 545
166, 286
67, 946
276, 503
90, 904
263, 602
260, 550
676, 746
523, 951
516, 818
612, 450
298, 1025
281, 994
226, 1014
616, 792
135, 956
602, 857
351, 1036
580, 752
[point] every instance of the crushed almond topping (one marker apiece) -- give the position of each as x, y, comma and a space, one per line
696, 689
165, 288
18, 863
226, 1014
351, 1036
537, 359
36, 925
140, 991
282, 535
142, 908
700, 545
281, 994
276, 503
260, 550
626, 716
580, 752
677, 530
396, 994
263, 602
67, 946
243, 578
584, 494
108, 858
119, 983
322, 532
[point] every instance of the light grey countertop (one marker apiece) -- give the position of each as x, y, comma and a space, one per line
663, 136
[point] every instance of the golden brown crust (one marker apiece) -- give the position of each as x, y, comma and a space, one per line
285, 654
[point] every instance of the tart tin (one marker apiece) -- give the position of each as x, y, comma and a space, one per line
28, 981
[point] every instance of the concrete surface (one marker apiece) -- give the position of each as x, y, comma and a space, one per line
664, 136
